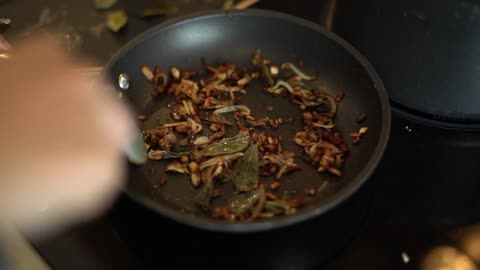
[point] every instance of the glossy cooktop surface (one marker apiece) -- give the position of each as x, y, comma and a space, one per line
427, 54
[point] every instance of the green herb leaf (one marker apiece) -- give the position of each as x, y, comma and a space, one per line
266, 74
181, 149
277, 207
225, 146
116, 20
104, 4
243, 202
281, 207
161, 154
204, 196
246, 170
261, 202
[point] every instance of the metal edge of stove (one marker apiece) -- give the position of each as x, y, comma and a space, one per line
438, 121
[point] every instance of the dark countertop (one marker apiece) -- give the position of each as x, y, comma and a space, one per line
83, 26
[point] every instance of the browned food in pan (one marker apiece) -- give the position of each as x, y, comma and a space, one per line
254, 159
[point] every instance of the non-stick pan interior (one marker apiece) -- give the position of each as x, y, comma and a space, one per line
234, 37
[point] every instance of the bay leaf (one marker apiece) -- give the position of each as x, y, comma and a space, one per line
243, 202
225, 146
204, 196
246, 170
277, 207
161, 154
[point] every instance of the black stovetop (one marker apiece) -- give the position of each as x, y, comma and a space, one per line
417, 202
418, 211
421, 204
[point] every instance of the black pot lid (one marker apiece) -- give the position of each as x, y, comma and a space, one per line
427, 54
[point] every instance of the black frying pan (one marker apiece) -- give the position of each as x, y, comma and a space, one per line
234, 36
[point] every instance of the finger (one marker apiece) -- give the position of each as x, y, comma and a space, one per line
86, 194
41, 56
115, 118
132, 144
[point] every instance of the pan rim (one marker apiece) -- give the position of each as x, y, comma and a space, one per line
342, 195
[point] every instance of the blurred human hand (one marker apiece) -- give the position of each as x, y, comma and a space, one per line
62, 140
